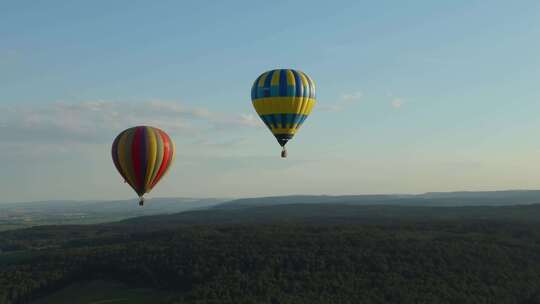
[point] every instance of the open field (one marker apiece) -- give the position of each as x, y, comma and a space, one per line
104, 292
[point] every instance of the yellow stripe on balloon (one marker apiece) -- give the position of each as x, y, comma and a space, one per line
275, 78
309, 107
290, 78
305, 81
299, 105
305, 84
283, 130
151, 152
124, 157
285, 105
312, 83
262, 80
308, 82
159, 155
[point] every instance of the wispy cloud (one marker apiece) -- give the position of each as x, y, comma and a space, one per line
225, 122
345, 101
97, 121
397, 103
220, 142
356, 96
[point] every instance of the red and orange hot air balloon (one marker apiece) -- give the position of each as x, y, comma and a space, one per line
142, 155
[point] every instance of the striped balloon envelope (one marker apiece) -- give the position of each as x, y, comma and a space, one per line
283, 99
142, 155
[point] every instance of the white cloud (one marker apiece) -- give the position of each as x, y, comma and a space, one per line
335, 107
221, 142
225, 122
356, 96
397, 103
345, 101
98, 121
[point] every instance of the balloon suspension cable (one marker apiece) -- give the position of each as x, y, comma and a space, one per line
284, 152
141, 201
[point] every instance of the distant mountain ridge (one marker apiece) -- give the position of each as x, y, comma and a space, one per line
277, 214
21, 215
433, 199
335, 214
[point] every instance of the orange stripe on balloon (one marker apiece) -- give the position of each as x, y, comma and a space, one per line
166, 156
172, 152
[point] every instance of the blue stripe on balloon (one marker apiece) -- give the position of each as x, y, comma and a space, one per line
283, 120
311, 87
291, 91
266, 121
266, 89
283, 83
297, 119
272, 120
274, 90
277, 118
302, 120
290, 120
306, 87
260, 88
302, 88
255, 87
298, 89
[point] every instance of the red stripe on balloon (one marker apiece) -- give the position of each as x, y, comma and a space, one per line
166, 156
136, 158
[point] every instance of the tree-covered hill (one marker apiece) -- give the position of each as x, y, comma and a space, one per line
315, 253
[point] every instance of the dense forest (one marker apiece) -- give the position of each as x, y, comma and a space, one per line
274, 255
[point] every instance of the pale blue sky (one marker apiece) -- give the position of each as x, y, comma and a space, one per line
413, 96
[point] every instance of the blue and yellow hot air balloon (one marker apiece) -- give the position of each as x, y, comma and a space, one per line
283, 98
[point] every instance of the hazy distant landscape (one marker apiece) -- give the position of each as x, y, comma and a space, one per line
466, 247
20, 215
